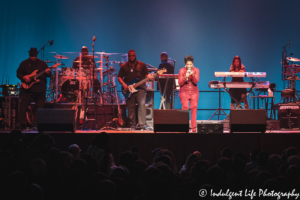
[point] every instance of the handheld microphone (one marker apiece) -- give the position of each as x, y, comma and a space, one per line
188, 72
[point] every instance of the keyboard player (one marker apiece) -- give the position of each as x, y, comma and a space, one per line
238, 93
162, 81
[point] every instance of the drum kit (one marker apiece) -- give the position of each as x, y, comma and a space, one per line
66, 82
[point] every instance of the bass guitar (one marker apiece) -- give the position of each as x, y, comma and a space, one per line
134, 84
33, 77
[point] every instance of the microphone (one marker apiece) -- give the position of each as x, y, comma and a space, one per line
51, 42
289, 43
94, 39
188, 72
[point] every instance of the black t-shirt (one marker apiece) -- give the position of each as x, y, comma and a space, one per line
27, 67
170, 70
86, 62
129, 73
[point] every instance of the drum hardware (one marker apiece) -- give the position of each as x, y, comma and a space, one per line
110, 73
111, 69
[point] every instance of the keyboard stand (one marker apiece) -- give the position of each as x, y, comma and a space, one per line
163, 95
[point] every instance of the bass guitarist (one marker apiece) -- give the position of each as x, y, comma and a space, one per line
37, 92
129, 71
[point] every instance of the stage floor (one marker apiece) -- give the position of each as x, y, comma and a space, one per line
212, 127
286, 131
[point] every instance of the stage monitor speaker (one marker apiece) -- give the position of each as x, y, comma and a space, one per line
248, 121
171, 120
56, 120
210, 127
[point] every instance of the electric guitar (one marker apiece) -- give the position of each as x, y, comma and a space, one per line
33, 77
134, 84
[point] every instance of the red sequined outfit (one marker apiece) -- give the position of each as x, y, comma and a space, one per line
188, 89
189, 93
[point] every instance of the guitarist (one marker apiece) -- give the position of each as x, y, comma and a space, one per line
37, 91
129, 71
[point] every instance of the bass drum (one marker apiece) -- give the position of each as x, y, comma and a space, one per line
70, 89
61, 80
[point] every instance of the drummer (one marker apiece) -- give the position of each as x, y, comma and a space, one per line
87, 64
86, 60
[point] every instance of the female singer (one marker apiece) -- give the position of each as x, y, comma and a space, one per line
189, 92
238, 93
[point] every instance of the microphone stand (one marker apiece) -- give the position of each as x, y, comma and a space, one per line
43, 48
94, 95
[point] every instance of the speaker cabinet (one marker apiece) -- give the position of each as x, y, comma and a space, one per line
283, 118
56, 120
171, 120
248, 121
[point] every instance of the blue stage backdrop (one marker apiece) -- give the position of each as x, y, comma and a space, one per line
213, 31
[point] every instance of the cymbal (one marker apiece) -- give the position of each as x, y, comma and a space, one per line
60, 57
48, 61
91, 56
77, 61
293, 59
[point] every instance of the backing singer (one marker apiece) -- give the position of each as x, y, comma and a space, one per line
189, 92
237, 93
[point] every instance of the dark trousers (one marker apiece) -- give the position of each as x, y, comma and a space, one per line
168, 98
26, 99
140, 99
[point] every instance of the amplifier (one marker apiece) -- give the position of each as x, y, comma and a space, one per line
9, 110
283, 118
209, 127
10, 90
